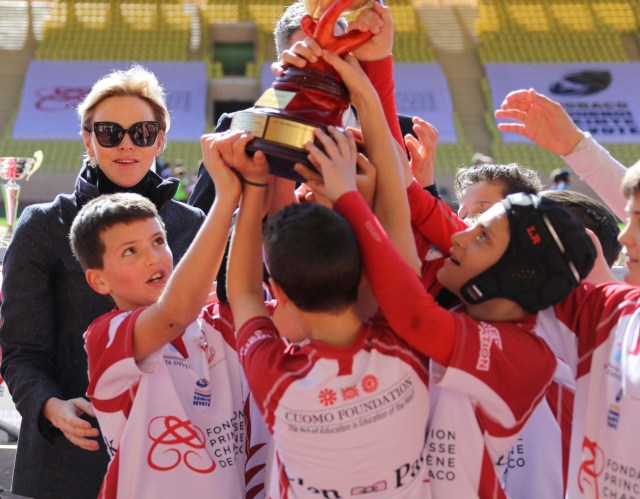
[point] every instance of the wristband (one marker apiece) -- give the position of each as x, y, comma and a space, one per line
245, 181
255, 184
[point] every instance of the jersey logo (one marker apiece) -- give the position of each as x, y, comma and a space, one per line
202, 394
176, 441
533, 236
327, 397
368, 489
350, 392
591, 468
489, 336
370, 383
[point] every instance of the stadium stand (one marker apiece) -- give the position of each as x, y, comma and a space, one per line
426, 31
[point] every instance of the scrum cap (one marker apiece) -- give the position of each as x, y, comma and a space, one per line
549, 253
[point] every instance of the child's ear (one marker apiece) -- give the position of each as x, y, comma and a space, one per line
96, 280
278, 293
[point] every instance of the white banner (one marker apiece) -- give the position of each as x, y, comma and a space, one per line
421, 90
602, 98
53, 89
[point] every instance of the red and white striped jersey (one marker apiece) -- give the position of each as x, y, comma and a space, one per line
176, 423
600, 334
346, 421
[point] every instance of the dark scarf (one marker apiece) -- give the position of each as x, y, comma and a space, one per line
151, 186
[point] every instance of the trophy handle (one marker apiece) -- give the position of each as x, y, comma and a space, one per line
38, 156
323, 30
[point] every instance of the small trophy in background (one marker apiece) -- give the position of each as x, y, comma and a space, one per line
13, 169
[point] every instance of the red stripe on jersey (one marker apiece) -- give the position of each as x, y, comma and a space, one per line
345, 366
283, 481
493, 428
103, 349
254, 491
109, 488
489, 486
219, 317
122, 402
258, 339
560, 400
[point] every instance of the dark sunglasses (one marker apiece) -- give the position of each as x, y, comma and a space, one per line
109, 134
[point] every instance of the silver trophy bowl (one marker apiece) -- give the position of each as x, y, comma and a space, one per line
12, 169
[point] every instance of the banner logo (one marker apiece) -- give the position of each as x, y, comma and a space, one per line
582, 83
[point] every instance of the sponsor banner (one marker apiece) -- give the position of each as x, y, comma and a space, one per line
421, 90
600, 97
53, 89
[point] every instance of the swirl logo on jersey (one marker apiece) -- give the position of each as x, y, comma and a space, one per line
593, 462
175, 442
581, 83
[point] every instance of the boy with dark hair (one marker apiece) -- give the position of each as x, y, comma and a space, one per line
164, 379
314, 257
337, 402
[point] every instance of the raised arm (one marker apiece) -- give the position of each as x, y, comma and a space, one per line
245, 274
391, 204
545, 122
376, 59
187, 290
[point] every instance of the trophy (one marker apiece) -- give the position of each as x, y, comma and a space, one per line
11, 170
284, 118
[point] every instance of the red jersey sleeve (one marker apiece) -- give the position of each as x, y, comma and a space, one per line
269, 363
109, 346
380, 73
432, 218
411, 312
503, 366
591, 313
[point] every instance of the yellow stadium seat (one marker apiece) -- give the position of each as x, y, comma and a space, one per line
573, 16
616, 15
531, 17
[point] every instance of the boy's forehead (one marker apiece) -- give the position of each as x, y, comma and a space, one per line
633, 204
132, 230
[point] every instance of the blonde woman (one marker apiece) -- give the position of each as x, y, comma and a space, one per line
47, 305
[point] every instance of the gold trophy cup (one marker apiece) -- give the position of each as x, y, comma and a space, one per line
300, 100
13, 169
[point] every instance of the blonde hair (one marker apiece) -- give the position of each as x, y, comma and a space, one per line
137, 81
631, 181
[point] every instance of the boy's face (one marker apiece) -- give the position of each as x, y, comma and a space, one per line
630, 240
476, 249
137, 263
478, 198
